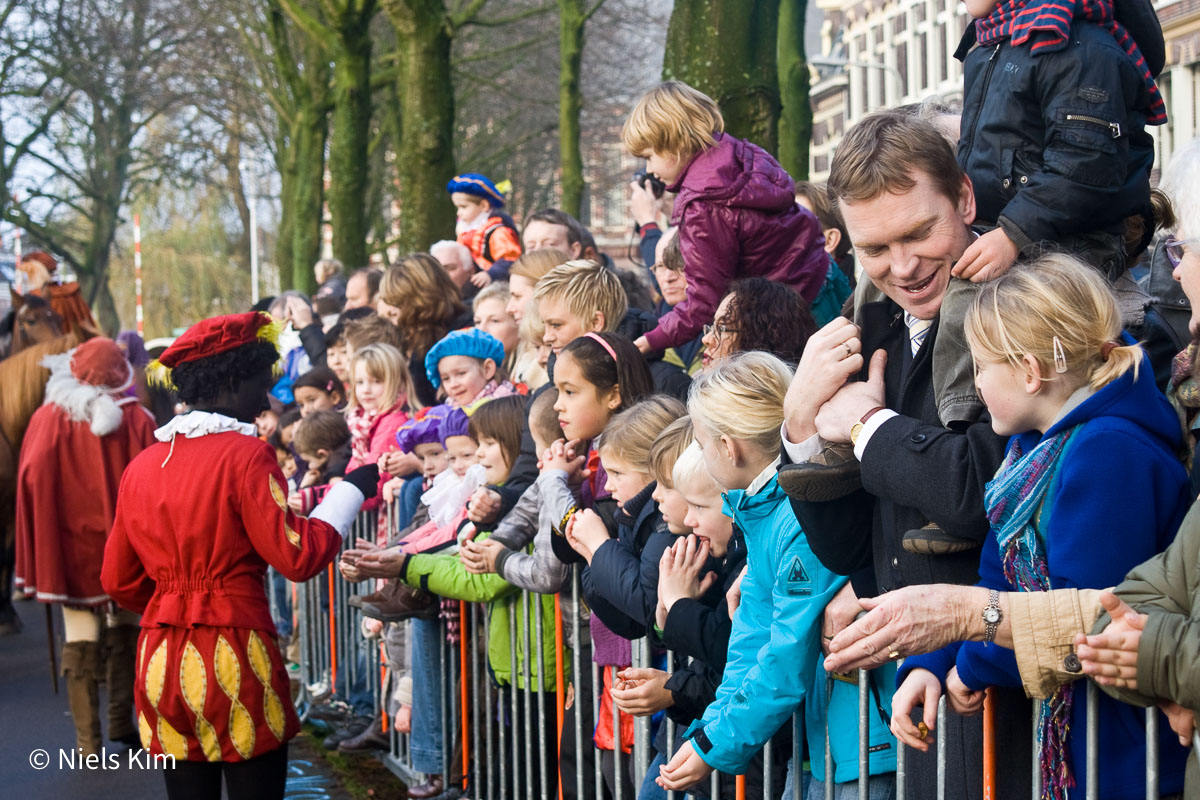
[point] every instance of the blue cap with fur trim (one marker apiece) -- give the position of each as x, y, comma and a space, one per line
455, 423
478, 185
422, 429
471, 342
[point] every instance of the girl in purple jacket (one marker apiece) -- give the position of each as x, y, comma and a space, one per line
735, 208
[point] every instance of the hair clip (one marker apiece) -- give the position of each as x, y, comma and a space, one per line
1060, 357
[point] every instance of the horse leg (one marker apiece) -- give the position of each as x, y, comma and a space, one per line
9, 621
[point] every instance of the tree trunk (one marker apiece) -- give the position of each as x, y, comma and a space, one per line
349, 139
795, 121
570, 103
717, 46
425, 152
308, 193
287, 191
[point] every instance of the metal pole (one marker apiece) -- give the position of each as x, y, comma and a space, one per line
528, 709
576, 677
597, 688
617, 744
543, 767
768, 754
941, 748
829, 782
489, 731
1152, 753
514, 710
864, 735
477, 695
1037, 751
1093, 742
797, 762
445, 684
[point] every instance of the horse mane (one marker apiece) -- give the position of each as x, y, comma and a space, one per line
23, 383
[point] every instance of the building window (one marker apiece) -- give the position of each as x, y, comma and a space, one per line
942, 54
902, 68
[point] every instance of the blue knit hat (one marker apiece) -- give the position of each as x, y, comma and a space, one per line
470, 342
422, 429
478, 185
455, 423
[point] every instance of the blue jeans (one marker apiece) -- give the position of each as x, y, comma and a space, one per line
408, 500
427, 667
281, 592
651, 790
879, 787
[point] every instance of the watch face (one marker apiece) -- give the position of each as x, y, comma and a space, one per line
991, 615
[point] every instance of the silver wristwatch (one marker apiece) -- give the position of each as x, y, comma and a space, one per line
992, 617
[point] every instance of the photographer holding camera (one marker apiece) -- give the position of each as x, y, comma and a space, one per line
645, 191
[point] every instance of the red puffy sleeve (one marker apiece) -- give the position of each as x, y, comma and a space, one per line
296, 546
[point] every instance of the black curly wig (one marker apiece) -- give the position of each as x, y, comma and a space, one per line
769, 316
202, 381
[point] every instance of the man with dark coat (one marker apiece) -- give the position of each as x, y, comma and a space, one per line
908, 208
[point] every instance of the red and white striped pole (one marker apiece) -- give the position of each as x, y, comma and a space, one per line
137, 269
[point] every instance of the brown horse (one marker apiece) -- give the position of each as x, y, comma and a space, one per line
22, 388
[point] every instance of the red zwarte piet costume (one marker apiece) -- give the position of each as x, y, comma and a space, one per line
201, 515
75, 450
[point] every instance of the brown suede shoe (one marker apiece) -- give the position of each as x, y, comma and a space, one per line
933, 541
373, 738
400, 601
832, 473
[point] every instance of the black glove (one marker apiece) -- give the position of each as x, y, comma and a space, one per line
365, 479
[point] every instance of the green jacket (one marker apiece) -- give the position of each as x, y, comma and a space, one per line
506, 608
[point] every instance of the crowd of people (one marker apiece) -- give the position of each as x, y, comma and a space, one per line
933, 390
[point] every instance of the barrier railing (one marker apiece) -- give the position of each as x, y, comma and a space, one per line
499, 741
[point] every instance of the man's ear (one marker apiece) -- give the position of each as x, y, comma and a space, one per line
597, 322
833, 238
966, 200
575, 249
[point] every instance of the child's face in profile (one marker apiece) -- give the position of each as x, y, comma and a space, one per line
624, 480
433, 457
467, 206
266, 422
704, 515
461, 452
673, 508
666, 167
315, 460
493, 458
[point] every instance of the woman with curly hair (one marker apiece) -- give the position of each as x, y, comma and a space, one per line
426, 306
758, 314
200, 515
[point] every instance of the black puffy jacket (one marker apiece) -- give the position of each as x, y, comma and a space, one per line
1055, 144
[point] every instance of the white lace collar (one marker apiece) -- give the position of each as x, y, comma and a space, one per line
195, 424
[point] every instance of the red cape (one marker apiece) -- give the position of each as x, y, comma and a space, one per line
66, 499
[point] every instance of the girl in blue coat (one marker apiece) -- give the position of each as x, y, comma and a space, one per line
774, 661
1091, 486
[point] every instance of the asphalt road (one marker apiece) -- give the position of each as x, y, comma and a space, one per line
33, 718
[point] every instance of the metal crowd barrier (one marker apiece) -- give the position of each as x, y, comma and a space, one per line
489, 733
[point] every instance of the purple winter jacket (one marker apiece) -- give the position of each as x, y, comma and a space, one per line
738, 218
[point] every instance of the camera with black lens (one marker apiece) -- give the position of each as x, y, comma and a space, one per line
643, 177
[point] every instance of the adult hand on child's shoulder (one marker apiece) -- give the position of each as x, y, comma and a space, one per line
988, 257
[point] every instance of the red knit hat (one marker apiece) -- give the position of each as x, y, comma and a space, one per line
42, 257
100, 362
211, 337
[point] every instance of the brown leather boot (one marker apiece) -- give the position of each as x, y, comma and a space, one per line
372, 738
431, 788
832, 473
81, 666
120, 662
933, 541
400, 601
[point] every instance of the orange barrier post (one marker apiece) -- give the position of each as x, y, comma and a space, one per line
739, 787
332, 635
559, 685
463, 672
989, 747
383, 701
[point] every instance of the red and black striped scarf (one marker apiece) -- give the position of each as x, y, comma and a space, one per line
1046, 24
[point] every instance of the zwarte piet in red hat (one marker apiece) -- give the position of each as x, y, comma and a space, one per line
211, 337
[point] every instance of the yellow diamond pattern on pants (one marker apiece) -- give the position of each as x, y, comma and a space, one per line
229, 678
260, 662
193, 684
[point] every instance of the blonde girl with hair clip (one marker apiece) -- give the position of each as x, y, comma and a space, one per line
1091, 485
378, 403
774, 657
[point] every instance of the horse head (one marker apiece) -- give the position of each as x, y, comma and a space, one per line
34, 322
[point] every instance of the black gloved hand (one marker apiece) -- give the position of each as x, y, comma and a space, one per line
365, 479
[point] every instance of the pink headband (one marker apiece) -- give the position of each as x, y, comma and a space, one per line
595, 337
